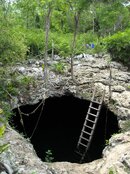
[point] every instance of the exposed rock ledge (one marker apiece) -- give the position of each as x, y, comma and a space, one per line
21, 158
89, 72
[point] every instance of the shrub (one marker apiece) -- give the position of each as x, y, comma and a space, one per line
2, 124
49, 157
112, 171
35, 41
12, 46
62, 43
58, 67
118, 45
89, 38
2, 130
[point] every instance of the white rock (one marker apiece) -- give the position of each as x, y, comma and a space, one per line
21, 70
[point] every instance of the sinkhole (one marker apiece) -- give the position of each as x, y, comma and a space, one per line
56, 125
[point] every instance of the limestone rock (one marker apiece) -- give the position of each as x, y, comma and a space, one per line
115, 154
89, 72
118, 89
122, 99
21, 70
20, 155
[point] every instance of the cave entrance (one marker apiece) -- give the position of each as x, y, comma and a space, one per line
60, 125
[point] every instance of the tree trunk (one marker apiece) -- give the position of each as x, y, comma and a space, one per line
47, 28
110, 80
52, 53
76, 21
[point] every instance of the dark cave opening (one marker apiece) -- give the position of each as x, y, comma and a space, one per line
60, 125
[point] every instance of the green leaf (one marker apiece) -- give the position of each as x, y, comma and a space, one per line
2, 129
3, 148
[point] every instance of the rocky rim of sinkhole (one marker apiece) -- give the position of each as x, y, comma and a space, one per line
89, 72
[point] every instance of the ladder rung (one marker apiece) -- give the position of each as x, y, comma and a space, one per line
88, 127
90, 120
83, 144
94, 108
92, 114
78, 153
85, 139
95, 102
86, 132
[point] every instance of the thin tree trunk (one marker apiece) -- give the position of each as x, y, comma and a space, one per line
76, 21
52, 53
110, 81
46, 44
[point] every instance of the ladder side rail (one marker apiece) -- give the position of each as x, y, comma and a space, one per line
93, 125
80, 137
93, 94
91, 137
85, 123
89, 142
82, 134
84, 154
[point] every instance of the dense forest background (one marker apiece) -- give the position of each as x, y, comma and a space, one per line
35, 27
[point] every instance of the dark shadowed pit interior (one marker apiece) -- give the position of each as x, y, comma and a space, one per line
60, 122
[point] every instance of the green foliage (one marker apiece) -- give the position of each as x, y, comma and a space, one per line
58, 67
11, 84
33, 173
49, 157
6, 112
2, 130
127, 169
23, 23
62, 43
12, 45
35, 41
89, 38
112, 17
25, 81
106, 142
43, 67
112, 171
118, 45
11, 88
3, 148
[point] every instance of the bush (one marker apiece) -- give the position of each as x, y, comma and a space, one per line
62, 43
89, 38
49, 156
2, 131
118, 45
58, 67
12, 46
35, 41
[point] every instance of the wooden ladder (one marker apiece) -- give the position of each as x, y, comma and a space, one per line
89, 126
